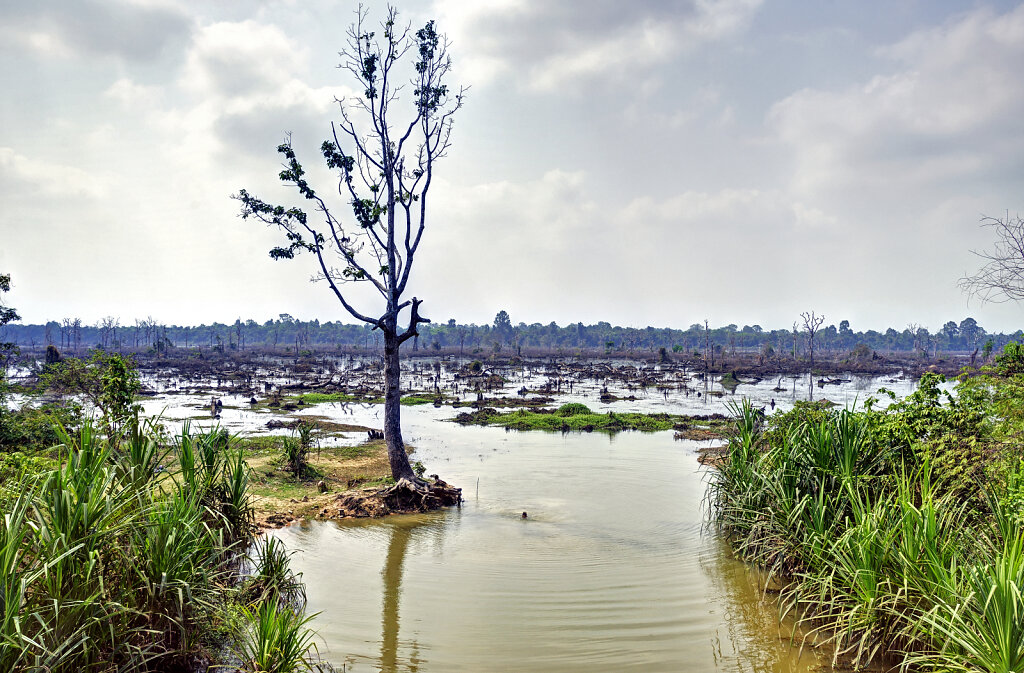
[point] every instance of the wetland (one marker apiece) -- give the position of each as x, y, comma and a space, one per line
614, 567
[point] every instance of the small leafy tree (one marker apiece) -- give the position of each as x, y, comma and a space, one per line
7, 314
1011, 361
384, 158
109, 381
296, 449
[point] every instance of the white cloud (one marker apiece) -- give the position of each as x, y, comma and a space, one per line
133, 95
235, 60
126, 29
27, 177
551, 249
550, 45
662, 206
952, 110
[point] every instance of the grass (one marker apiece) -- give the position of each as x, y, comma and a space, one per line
874, 552
278, 641
576, 417
320, 398
277, 490
110, 561
522, 419
415, 400
272, 579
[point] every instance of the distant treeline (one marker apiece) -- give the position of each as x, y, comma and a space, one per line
502, 335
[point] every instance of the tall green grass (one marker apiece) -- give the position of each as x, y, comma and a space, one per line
874, 559
279, 640
112, 562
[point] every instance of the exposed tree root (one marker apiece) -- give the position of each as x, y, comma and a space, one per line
406, 496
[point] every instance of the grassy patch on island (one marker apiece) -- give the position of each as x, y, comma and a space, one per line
576, 417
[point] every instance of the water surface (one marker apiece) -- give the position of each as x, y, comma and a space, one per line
611, 571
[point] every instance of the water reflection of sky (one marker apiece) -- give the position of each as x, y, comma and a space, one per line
239, 417
612, 570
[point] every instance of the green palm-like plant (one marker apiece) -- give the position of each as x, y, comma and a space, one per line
278, 640
176, 559
984, 630
236, 506
272, 578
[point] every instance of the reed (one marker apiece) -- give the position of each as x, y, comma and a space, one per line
873, 560
109, 564
278, 640
272, 578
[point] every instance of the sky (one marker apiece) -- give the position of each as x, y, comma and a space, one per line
641, 163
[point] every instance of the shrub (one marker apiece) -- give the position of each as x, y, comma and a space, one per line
573, 409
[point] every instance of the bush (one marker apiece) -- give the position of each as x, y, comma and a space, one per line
1011, 361
34, 429
573, 409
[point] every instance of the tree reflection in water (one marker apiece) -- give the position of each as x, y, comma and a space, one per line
401, 532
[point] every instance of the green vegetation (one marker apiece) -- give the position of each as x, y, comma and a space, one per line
110, 561
121, 548
109, 381
33, 429
414, 400
729, 381
279, 641
573, 409
577, 417
296, 449
569, 417
319, 398
895, 531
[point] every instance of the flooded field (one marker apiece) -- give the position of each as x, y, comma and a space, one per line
613, 568
612, 386
611, 571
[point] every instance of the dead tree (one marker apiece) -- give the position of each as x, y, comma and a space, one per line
707, 347
811, 324
1001, 277
384, 157
912, 330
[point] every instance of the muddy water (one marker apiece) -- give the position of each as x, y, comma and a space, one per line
611, 571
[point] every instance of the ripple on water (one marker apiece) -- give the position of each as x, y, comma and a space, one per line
611, 571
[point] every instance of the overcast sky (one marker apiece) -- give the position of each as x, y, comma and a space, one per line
644, 163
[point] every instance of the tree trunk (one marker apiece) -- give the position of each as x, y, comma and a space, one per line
400, 467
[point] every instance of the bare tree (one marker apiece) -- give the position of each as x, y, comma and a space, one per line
913, 328
65, 333
76, 333
149, 326
811, 324
707, 346
139, 326
385, 179
108, 330
1001, 277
